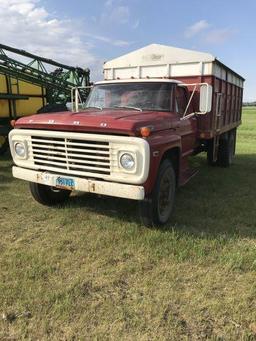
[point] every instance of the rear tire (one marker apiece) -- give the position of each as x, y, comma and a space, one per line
49, 196
227, 150
210, 153
156, 208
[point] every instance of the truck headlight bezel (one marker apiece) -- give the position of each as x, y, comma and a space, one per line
20, 149
127, 161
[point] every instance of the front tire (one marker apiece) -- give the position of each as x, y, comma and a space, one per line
156, 209
49, 196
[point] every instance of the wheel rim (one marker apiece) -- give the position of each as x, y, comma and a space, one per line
165, 197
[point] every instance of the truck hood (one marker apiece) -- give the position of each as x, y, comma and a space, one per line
126, 122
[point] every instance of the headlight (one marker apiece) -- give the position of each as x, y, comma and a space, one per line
20, 149
127, 161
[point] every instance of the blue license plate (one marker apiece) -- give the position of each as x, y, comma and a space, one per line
65, 182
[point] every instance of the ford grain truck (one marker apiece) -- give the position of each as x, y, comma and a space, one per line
156, 107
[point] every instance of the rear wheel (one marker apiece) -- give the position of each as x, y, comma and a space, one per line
47, 195
156, 208
210, 160
3, 144
227, 150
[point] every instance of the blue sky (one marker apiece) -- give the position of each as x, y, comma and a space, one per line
87, 33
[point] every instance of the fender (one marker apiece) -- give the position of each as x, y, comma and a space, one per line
159, 143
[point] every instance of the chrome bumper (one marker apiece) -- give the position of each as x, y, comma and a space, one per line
85, 185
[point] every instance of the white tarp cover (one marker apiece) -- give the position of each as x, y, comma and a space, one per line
156, 54
157, 60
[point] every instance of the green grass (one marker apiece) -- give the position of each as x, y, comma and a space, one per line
89, 270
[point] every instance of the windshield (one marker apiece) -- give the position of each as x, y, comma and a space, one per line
136, 96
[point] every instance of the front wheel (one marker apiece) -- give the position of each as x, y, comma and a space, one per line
156, 208
47, 195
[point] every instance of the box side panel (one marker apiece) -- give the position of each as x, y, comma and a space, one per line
159, 70
205, 122
226, 103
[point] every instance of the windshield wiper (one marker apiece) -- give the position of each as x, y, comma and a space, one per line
93, 107
127, 107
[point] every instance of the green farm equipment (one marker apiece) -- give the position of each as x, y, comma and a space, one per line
30, 84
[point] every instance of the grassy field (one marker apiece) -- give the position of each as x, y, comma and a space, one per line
90, 271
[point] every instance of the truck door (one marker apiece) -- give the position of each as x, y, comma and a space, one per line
187, 127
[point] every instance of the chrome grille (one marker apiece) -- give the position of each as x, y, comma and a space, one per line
72, 155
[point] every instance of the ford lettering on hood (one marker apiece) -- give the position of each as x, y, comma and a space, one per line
126, 122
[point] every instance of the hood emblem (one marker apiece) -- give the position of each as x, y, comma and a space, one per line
76, 123
103, 124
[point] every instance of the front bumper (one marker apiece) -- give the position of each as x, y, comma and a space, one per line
85, 185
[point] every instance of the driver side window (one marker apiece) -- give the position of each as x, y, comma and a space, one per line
180, 100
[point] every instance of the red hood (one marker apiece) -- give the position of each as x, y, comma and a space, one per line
110, 121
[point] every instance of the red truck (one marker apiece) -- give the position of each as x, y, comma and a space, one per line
132, 138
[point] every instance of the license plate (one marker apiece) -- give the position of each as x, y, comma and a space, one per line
68, 183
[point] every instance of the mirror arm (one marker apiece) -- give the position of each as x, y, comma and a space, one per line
76, 97
195, 87
188, 116
190, 99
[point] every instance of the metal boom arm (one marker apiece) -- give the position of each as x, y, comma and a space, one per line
58, 83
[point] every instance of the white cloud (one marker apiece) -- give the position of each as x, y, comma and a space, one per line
120, 14
109, 3
196, 28
218, 36
30, 26
136, 24
107, 40
211, 36
115, 14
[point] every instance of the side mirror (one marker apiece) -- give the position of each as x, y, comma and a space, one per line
205, 104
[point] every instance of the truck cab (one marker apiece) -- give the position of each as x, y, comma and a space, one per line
117, 143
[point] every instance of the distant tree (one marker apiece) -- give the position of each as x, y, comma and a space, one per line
249, 104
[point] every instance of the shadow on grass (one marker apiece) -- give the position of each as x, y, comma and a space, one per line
5, 169
217, 201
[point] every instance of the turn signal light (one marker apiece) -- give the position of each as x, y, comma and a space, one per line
145, 131
12, 123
